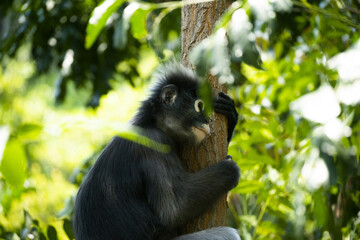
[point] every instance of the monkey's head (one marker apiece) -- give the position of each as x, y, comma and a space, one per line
181, 115
177, 108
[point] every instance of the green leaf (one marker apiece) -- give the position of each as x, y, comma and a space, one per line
29, 131
267, 228
206, 95
290, 125
261, 158
136, 136
123, 25
98, 19
42, 236
68, 229
138, 21
250, 219
13, 164
320, 208
51, 233
248, 186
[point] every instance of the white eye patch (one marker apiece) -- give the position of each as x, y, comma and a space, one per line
199, 105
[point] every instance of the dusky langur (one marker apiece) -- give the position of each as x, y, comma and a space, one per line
135, 192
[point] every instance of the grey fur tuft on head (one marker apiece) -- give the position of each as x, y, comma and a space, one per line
173, 68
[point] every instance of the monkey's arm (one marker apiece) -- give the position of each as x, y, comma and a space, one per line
226, 106
177, 196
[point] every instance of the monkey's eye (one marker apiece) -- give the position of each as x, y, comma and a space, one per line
199, 105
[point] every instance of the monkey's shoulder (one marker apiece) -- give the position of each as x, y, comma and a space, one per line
146, 137
140, 144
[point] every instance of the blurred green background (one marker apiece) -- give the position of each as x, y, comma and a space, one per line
74, 72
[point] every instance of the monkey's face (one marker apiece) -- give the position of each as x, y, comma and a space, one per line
182, 115
200, 125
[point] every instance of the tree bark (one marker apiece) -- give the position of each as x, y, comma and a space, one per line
197, 22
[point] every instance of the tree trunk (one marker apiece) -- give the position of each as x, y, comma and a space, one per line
197, 22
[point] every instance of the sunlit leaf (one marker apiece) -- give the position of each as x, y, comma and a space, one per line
98, 19
246, 164
267, 228
261, 158
266, 133
29, 131
248, 186
138, 21
207, 96
250, 219
13, 164
135, 135
252, 159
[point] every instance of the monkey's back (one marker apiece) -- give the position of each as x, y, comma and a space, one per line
113, 194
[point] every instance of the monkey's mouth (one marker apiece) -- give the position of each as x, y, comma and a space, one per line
205, 129
201, 132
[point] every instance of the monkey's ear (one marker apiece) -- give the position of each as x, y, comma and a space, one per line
168, 94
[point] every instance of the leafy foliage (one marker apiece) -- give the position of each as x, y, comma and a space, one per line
13, 163
291, 66
55, 30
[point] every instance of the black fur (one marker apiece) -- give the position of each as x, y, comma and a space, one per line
226, 106
135, 192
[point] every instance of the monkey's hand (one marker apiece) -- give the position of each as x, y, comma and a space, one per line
234, 172
225, 105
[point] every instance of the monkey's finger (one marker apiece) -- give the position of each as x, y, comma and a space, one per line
224, 95
225, 101
224, 108
225, 98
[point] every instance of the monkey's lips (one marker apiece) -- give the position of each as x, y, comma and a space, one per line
201, 132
